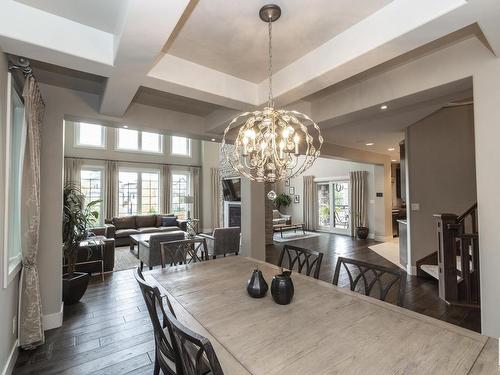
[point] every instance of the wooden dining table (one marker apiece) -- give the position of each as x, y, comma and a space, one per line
324, 330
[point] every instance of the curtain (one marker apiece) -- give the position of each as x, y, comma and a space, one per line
165, 191
111, 184
30, 307
358, 200
309, 203
215, 197
72, 168
195, 171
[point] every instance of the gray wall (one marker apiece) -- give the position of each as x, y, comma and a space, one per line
441, 171
9, 295
209, 159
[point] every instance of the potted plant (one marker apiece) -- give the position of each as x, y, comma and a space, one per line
78, 217
361, 230
282, 200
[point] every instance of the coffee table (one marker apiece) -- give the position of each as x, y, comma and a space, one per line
286, 227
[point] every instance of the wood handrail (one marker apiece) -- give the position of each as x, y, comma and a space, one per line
462, 217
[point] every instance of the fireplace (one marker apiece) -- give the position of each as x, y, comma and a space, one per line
232, 214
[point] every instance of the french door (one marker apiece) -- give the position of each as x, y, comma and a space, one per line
334, 206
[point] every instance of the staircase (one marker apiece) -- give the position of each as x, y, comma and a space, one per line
456, 263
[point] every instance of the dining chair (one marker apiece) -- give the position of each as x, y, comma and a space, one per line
164, 352
372, 274
194, 354
306, 260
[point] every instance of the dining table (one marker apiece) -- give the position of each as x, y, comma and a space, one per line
324, 330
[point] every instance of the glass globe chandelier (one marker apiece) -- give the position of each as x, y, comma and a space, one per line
269, 142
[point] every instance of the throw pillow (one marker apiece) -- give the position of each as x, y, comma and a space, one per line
169, 221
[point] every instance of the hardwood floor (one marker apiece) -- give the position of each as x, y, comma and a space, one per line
109, 331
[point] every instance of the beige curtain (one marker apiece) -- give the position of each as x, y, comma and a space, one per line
111, 184
309, 203
165, 191
196, 213
214, 197
358, 200
72, 168
30, 305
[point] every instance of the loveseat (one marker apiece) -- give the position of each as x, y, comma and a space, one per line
120, 228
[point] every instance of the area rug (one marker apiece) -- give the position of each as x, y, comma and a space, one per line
292, 236
389, 250
124, 259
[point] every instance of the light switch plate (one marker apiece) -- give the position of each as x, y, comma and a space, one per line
415, 206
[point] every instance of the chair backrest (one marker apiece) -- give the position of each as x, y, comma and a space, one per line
371, 275
153, 300
194, 353
227, 240
307, 261
157, 238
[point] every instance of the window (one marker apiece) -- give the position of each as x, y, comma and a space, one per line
15, 149
92, 188
181, 187
134, 140
139, 192
180, 146
90, 135
333, 206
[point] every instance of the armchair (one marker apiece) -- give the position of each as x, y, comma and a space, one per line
149, 251
279, 218
223, 241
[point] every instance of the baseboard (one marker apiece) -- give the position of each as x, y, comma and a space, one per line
51, 321
11, 361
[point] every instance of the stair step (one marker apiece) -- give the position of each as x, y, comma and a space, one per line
433, 270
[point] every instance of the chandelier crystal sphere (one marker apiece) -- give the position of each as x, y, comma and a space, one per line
272, 144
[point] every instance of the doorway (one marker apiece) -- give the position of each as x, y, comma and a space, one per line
334, 210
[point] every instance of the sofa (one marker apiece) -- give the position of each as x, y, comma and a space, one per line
279, 218
120, 228
149, 251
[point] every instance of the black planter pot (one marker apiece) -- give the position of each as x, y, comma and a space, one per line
282, 288
257, 286
74, 287
362, 233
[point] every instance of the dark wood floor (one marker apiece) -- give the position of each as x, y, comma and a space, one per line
109, 331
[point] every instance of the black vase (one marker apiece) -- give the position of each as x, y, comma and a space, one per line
282, 288
257, 286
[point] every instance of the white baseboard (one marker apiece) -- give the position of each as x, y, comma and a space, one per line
371, 236
51, 321
11, 361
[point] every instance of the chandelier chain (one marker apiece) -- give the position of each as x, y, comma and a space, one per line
270, 101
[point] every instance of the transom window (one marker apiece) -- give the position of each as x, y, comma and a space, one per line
181, 188
180, 146
138, 192
92, 188
90, 135
134, 140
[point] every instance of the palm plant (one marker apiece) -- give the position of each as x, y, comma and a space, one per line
78, 217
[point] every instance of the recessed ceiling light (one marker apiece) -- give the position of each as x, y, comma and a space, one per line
125, 126
394, 160
370, 144
213, 139
390, 149
383, 107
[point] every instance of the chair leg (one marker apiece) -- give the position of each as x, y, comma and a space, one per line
157, 364
150, 268
142, 265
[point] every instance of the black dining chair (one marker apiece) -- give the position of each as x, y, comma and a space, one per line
307, 261
371, 275
164, 352
194, 354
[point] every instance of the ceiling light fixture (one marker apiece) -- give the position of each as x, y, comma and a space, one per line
213, 139
125, 126
269, 142
394, 160
391, 149
383, 107
370, 144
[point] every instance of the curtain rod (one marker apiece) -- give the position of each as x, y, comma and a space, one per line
134, 162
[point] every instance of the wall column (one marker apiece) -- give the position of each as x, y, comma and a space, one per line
487, 135
253, 223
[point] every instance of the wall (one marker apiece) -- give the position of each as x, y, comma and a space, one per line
441, 171
110, 153
9, 295
209, 159
324, 167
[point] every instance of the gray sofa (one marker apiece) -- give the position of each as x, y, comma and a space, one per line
120, 228
149, 252
223, 241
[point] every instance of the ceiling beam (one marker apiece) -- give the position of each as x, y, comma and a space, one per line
137, 48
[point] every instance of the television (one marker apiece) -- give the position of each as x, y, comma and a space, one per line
231, 188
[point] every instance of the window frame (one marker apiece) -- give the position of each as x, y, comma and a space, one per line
187, 173
139, 148
76, 142
189, 147
101, 170
139, 172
